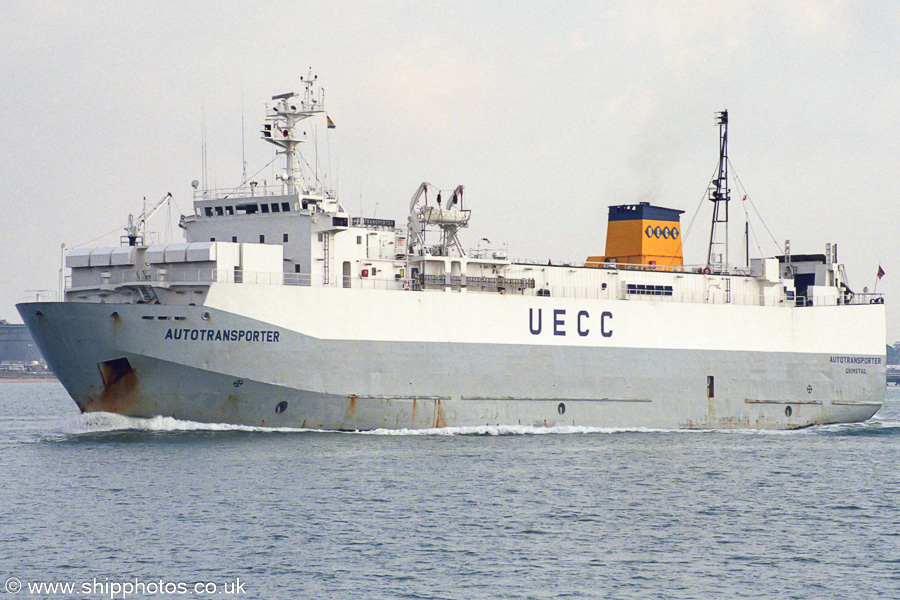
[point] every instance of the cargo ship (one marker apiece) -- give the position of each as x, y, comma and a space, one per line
283, 309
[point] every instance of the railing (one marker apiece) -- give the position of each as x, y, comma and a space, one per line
244, 191
204, 277
248, 191
714, 270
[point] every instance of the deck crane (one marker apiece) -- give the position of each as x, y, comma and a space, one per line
136, 228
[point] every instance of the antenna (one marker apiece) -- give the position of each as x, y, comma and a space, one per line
62, 271
203, 144
720, 195
243, 151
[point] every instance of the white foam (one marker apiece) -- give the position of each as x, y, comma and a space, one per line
514, 430
99, 422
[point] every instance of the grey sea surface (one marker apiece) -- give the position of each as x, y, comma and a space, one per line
104, 502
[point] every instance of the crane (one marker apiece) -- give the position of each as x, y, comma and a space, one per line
136, 228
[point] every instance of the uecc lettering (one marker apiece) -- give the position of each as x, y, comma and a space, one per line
561, 325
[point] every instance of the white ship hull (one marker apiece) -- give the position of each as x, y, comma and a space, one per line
355, 359
283, 309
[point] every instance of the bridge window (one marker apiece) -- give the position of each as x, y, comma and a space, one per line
219, 211
264, 208
275, 207
229, 210
209, 211
285, 207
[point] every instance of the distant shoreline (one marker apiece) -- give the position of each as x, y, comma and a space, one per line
6, 378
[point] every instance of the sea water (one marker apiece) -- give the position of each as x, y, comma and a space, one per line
115, 507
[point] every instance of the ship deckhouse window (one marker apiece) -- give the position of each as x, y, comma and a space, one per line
264, 208
284, 238
262, 239
285, 207
650, 290
359, 239
320, 237
234, 239
219, 211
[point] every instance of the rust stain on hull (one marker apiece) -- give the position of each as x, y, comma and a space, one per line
121, 396
440, 419
231, 408
348, 413
351, 408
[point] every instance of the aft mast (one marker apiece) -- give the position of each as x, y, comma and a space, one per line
720, 195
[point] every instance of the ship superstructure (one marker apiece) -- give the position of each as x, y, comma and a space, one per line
281, 308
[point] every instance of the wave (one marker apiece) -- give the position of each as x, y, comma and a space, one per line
515, 430
101, 422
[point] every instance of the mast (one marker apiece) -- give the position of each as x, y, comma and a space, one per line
282, 120
720, 195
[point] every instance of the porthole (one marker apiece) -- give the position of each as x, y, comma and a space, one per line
281, 407
561, 409
205, 316
788, 411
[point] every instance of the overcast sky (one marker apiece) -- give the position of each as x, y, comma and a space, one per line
547, 112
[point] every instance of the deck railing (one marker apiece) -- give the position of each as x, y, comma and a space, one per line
169, 277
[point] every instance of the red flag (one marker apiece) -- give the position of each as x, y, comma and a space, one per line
880, 272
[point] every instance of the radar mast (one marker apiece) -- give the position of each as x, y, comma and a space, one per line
720, 195
281, 123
